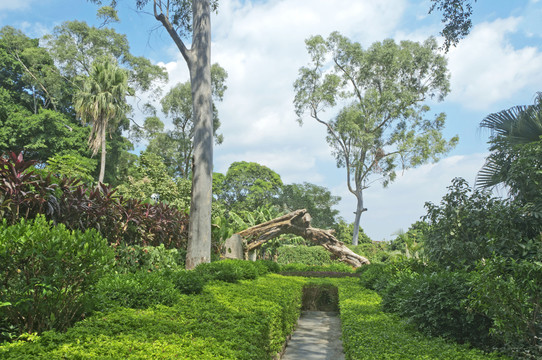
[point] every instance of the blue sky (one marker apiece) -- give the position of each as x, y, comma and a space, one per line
261, 45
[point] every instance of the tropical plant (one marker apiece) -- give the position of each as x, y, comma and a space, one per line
510, 129
510, 293
101, 102
24, 194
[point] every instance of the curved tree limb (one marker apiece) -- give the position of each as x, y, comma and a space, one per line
298, 223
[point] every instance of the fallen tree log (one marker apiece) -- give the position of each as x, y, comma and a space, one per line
298, 223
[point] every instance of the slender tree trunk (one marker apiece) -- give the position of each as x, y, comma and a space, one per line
359, 210
102, 162
199, 241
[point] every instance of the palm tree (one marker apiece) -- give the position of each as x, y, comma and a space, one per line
101, 102
511, 130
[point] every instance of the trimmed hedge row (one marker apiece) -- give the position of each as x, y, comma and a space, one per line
246, 320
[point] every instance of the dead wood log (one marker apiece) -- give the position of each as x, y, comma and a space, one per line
299, 223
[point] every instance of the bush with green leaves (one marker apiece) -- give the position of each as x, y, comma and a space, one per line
272, 267
378, 276
132, 258
335, 267
186, 281
308, 255
376, 251
369, 333
138, 290
435, 303
46, 273
228, 270
373, 276
470, 225
510, 293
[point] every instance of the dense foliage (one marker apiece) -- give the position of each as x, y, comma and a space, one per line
46, 274
26, 193
470, 225
308, 255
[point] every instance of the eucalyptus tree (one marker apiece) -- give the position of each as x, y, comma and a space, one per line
378, 94
102, 103
182, 19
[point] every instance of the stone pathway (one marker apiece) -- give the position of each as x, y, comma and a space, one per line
317, 337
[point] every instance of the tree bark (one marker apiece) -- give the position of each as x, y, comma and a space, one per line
199, 240
298, 223
359, 210
103, 154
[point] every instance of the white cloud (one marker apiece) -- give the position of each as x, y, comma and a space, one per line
11, 5
402, 203
487, 68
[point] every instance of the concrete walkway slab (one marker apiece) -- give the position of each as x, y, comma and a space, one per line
317, 337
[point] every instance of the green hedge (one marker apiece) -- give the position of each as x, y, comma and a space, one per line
246, 320
301, 254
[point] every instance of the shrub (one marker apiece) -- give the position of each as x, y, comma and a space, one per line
377, 276
25, 194
186, 281
308, 255
373, 275
272, 267
46, 271
510, 293
335, 267
470, 225
435, 304
132, 258
248, 320
138, 290
228, 270
376, 252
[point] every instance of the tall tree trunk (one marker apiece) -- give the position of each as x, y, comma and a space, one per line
102, 162
199, 241
359, 210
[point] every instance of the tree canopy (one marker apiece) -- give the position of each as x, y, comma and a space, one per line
247, 186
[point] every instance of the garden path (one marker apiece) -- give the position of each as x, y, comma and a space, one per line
317, 337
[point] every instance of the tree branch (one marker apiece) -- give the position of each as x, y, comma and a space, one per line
160, 16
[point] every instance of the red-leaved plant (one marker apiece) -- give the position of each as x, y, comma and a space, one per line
24, 194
